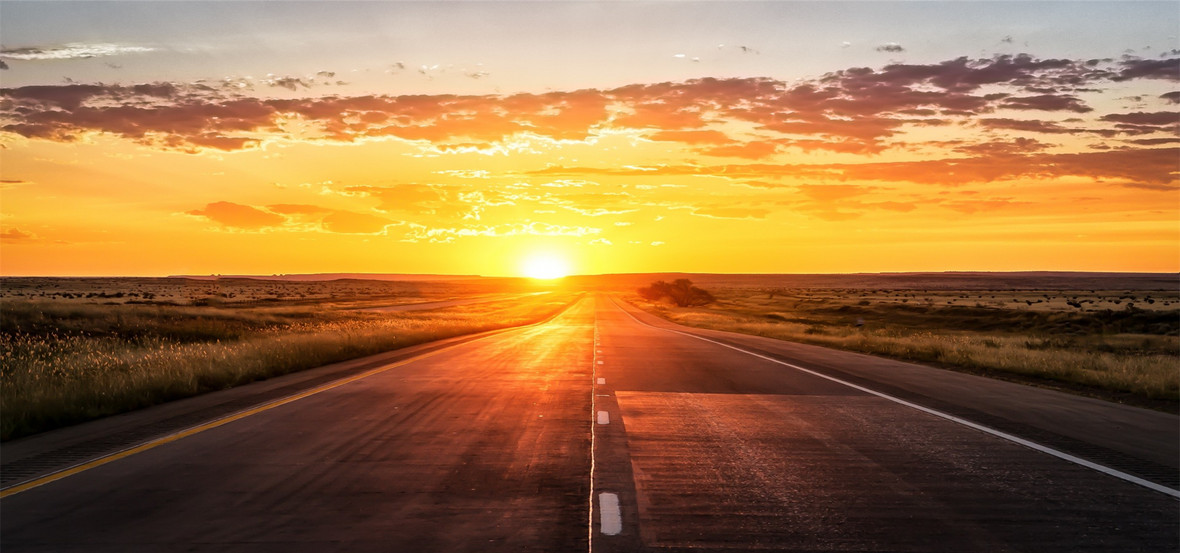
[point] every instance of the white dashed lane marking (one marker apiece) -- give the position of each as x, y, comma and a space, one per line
612, 520
601, 381
603, 417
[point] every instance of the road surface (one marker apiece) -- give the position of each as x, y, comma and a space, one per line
599, 431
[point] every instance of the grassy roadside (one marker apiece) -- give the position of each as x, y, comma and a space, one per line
1128, 356
61, 364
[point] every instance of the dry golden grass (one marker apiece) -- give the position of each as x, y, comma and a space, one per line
1128, 351
64, 364
248, 291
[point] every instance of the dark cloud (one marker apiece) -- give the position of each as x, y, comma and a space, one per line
890, 47
1016, 146
1140, 123
967, 75
1154, 141
1038, 126
857, 110
1171, 97
67, 97
1047, 102
1159, 118
1166, 69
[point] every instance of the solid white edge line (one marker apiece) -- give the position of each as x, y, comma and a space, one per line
612, 520
593, 438
1015, 439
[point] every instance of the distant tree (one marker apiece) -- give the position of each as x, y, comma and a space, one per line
680, 291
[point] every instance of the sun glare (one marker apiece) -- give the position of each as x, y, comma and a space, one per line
545, 266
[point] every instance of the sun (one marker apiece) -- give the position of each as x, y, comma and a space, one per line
545, 266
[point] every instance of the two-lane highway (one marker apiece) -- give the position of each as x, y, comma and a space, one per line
598, 431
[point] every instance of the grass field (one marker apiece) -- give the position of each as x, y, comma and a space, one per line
1116, 344
66, 360
249, 291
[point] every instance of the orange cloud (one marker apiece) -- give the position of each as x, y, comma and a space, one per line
748, 150
292, 217
692, 137
402, 197
1148, 165
354, 223
16, 235
298, 209
724, 212
239, 216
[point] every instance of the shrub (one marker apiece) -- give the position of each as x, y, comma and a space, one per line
680, 291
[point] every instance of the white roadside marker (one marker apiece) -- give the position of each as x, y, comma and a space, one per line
603, 417
612, 520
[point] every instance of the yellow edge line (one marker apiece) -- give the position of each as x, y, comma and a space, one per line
252, 411
212, 424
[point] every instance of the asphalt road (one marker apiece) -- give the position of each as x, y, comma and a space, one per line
596, 431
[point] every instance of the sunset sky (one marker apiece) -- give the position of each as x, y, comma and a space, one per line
156, 138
